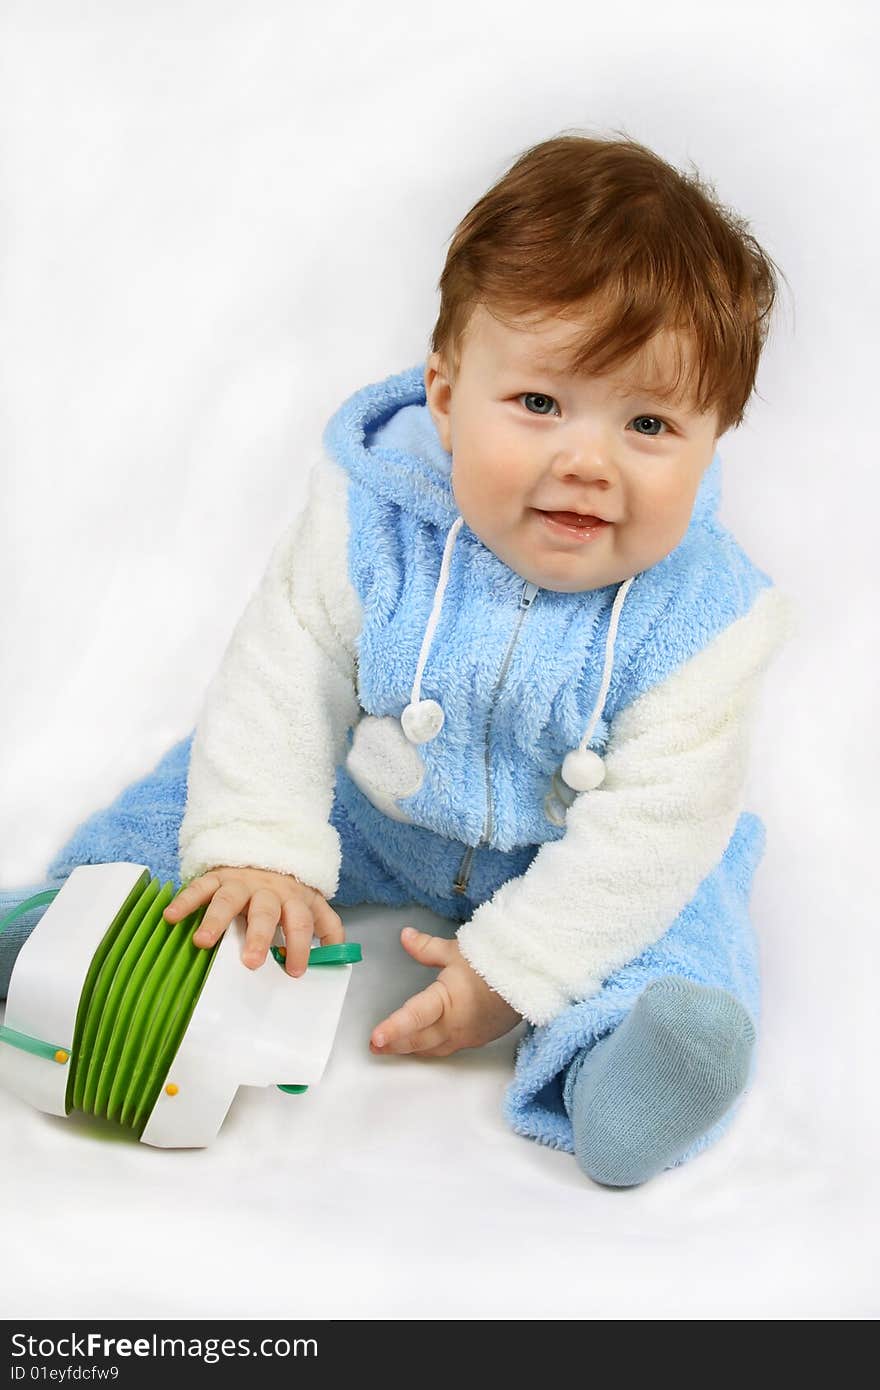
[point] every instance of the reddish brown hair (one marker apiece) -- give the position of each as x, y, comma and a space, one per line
606, 226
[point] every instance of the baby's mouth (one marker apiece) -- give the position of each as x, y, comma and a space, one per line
575, 521
571, 526
573, 518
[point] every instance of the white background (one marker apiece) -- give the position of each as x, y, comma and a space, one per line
219, 220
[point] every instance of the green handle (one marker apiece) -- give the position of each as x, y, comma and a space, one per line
340, 953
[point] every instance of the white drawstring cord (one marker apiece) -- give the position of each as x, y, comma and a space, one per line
422, 719
582, 769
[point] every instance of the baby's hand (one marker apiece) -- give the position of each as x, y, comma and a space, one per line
273, 897
458, 1010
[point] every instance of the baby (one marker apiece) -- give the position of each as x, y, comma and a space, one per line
505, 662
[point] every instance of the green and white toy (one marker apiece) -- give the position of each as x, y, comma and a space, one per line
113, 1011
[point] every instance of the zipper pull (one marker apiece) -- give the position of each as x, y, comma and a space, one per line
464, 871
528, 594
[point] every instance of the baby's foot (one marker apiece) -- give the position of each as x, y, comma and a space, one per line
640, 1097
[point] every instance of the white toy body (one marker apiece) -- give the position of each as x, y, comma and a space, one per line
249, 1027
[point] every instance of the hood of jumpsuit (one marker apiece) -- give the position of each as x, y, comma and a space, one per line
488, 700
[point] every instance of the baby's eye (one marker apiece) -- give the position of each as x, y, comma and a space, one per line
542, 400
654, 420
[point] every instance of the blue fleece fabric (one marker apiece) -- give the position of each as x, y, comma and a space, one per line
400, 510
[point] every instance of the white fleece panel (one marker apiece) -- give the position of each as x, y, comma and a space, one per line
384, 764
637, 848
275, 717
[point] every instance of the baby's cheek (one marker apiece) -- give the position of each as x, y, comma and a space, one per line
484, 497
660, 507
467, 479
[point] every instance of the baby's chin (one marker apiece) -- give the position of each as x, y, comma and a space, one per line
568, 577
566, 572
559, 579
582, 585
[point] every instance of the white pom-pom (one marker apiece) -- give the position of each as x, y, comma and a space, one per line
422, 721
583, 770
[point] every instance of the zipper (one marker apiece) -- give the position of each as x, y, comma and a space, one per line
526, 599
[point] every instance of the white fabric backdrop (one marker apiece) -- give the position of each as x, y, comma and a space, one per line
219, 219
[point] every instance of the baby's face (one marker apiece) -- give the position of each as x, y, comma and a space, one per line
528, 443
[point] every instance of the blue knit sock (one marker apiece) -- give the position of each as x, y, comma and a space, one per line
13, 937
639, 1097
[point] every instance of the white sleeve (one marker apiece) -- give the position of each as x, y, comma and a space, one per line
274, 721
636, 849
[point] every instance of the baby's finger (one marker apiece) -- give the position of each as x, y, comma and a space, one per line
262, 923
430, 1042
197, 891
226, 904
298, 926
328, 924
400, 1031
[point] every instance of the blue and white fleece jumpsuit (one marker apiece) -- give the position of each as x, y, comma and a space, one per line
399, 717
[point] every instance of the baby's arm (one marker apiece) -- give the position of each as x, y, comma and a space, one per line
273, 724
636, 849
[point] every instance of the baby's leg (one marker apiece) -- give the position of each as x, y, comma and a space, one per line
640, 1097
645, 1073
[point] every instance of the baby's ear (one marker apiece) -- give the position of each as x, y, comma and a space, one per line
438, 395
433, 369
